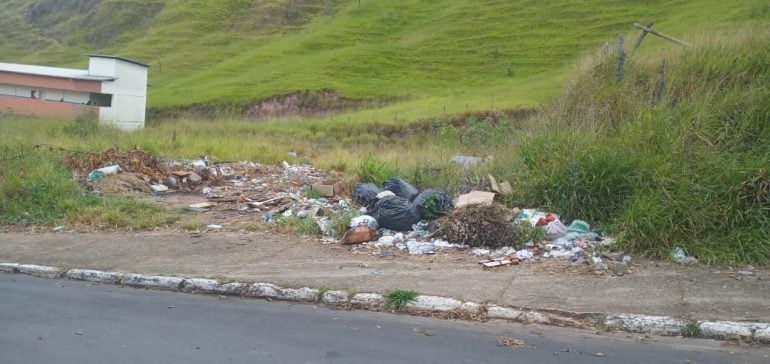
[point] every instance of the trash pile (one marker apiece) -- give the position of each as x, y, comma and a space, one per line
399, 216
396, 216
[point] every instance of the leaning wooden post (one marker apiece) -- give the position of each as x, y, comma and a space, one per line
644, 34
621, 58
662, 35
658, 93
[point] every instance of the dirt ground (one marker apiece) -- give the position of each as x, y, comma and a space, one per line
656, 288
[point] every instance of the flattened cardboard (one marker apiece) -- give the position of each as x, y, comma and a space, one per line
327, 188
475, 197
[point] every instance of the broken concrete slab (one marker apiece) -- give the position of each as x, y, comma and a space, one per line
39, 271
498, 312
762, 335
658, 325
199, 285
335, 297
263, 290
304, 294
211, 286
434, 303
94, 276
534, 317
725, 330
367, 300
9, 267
154, 282
470, 308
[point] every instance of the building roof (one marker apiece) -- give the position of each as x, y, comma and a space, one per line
75, 74
116, 57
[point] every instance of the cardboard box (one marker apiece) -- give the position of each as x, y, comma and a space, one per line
328, 188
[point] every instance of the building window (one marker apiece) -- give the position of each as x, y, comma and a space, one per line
96, 99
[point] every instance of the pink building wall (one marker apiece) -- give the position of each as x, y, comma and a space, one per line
50, 82
42, 108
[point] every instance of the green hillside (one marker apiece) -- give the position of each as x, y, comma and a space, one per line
475, 55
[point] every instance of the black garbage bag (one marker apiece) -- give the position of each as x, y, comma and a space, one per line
433, 203
365, 194
400, 187
395, 213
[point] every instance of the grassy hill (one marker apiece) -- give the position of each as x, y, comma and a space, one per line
465, 55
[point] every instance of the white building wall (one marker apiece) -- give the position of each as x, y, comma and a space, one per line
128, 90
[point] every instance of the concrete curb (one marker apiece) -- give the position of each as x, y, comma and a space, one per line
755, 332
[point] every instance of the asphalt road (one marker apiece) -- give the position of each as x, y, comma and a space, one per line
61, 321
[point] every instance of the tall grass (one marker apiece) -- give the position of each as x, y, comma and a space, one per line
688, 171
35, 189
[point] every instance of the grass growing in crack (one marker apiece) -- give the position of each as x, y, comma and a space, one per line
691, 330
322, 290
399, 298
193, 226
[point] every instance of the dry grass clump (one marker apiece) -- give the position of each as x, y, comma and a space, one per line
481, 225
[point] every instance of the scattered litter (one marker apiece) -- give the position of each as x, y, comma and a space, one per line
214, 226
579, 226
57, 229
158, 188
467, 162
426, 332
679, 256
267, 216
419, 248
201, 207
364, 219
524, 254
498, 262
385, 194
359, 234
512, 343
503, 188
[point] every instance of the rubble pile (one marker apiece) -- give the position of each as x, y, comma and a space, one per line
232, 188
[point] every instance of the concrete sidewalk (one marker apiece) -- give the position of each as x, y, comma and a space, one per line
651, 288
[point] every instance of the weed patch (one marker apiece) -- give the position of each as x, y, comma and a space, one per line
398, 298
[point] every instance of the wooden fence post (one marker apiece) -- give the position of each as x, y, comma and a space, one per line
658, 93
641, 36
